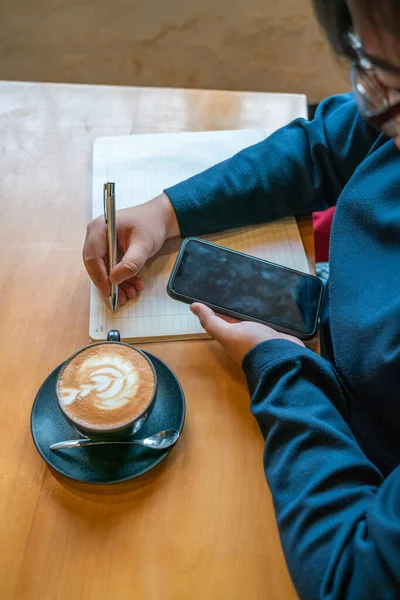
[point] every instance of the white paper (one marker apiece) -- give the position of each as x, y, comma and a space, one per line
141, 167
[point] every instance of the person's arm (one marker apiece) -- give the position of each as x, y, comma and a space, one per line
339, 520
299, 169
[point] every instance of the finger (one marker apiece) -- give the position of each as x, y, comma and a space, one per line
228, 319
130, 291
131, 263
98, 274
138, 283
122, 299
94, 254
215, 326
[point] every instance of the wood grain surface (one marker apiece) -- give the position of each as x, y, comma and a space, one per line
199, 526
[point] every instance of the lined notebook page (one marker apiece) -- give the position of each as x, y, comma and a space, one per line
143, 165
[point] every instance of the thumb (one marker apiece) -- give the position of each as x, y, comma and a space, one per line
130, 264
215, 326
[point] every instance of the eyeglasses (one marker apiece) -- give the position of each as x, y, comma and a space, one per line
377, 103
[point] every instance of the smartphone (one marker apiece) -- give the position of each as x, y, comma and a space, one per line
247, 288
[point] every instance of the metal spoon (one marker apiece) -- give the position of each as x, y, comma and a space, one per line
158, 441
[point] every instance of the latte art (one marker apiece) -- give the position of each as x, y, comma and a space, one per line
106, 386
111, 379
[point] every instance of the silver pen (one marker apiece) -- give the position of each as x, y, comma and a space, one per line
110, 219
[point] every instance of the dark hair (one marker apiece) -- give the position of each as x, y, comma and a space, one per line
334, 16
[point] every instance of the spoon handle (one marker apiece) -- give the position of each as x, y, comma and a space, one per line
88, 442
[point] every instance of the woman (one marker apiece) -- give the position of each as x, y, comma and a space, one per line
331, 423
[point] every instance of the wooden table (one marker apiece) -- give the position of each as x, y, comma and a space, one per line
201, 525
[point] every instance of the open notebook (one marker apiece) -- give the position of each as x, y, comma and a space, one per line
143, 165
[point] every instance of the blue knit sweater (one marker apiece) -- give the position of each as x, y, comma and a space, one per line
331, 423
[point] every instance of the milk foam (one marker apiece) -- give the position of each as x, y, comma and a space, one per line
110, 380
106, 386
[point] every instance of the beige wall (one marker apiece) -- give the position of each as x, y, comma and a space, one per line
263, 45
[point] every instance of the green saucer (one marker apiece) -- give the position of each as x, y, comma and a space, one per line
106, 464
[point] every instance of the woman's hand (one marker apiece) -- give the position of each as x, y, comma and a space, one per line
237, 337
141, 231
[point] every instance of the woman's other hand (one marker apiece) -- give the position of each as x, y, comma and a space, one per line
237, 337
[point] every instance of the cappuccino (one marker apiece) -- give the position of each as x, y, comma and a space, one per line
106, 386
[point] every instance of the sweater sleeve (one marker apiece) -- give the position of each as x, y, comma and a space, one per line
338, 519
299, 169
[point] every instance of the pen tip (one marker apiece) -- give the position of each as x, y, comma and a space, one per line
114, 302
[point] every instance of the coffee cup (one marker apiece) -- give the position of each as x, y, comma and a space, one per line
107, 390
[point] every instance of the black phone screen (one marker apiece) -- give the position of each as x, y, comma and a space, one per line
251, 287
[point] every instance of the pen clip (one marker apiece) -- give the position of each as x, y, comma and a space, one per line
105, 194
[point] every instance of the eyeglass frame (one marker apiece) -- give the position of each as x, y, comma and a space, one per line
361, 61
